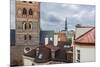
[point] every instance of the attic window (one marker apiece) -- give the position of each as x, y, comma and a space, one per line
27, 48
30, 1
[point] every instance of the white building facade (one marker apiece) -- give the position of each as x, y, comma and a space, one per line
84, 45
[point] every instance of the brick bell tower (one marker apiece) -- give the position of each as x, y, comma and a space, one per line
27, 23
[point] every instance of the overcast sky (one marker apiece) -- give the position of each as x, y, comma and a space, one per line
53, 15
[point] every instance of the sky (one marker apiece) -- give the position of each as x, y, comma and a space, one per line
53, 15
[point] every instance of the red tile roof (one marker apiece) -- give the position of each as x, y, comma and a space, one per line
88, 37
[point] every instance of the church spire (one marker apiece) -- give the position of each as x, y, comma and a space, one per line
66, 24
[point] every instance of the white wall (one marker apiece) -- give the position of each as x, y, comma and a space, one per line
55, 40
27, 61
46, 41
87, 53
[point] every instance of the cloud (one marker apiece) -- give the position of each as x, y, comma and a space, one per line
52, 18
57, 12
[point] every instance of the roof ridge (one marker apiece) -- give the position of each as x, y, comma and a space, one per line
84, 33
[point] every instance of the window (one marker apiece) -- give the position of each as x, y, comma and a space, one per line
24, 1
25, 37
27, 48
25, 26
30, 12
78, 55
30, 1
24, 11
30, 26
30, 37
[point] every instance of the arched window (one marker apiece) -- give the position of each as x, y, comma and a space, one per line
30, 1
30, 26
24, 11
30, 12
25, 37
30, 37
25, 27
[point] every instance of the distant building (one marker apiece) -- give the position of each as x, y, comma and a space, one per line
61, 38
46, 37
69, 33
12, 37
84, 44
66, 26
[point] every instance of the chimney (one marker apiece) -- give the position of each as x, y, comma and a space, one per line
46, 40
55, 40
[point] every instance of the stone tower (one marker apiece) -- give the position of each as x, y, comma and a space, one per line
27, 30
27, 23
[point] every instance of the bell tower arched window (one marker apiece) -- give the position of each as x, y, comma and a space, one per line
24, 26
30, 37
30, 25
24, 11
25, 37
30, 12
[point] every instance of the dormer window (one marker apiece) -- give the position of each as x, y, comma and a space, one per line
27, 48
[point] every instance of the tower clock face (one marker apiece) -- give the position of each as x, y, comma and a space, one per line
19, 11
